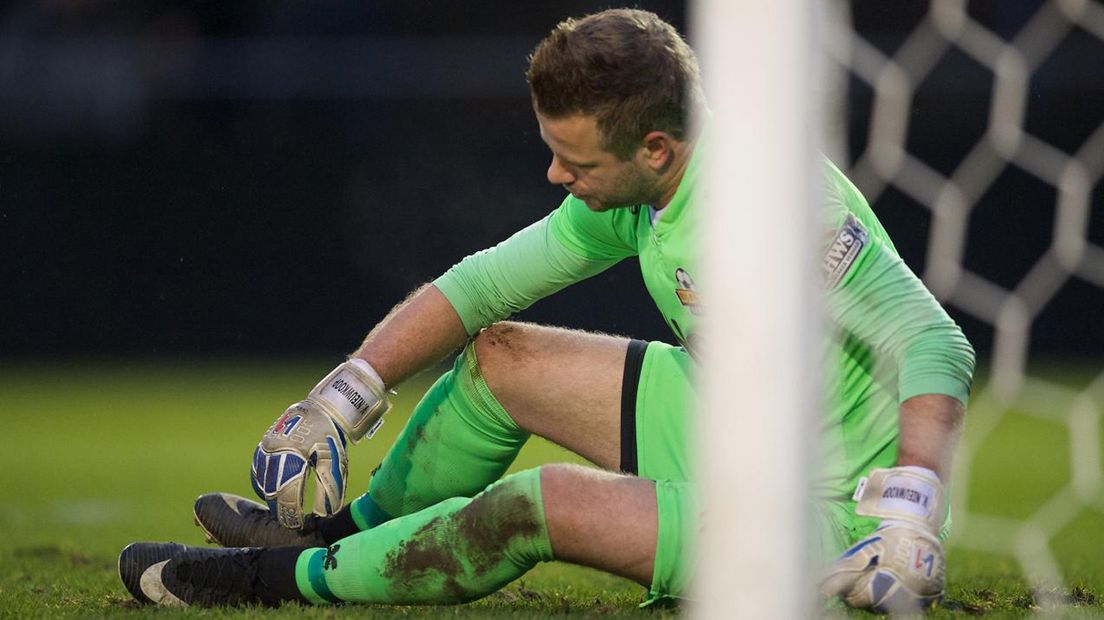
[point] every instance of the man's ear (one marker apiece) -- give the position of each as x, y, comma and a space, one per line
658, 150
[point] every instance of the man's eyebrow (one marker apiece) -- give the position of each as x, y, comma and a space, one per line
562, 158
567, 160
570, 162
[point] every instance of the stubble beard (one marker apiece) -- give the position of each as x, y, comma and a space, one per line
634, 189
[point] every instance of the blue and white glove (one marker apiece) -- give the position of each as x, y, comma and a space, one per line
899, 567
311, 436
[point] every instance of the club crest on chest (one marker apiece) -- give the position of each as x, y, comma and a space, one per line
686, 291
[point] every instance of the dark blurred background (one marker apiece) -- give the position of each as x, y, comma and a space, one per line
188, 179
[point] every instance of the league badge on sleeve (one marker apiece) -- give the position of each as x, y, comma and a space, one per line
843, 251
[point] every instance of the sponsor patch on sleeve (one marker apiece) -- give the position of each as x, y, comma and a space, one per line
843, 251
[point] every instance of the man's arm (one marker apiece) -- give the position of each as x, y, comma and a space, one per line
900, 567
349, 403
930, 425
484, 287
417, 333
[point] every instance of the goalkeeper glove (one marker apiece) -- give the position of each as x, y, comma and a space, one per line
899, 567
310, 435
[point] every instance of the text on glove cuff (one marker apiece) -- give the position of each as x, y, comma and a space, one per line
354, 396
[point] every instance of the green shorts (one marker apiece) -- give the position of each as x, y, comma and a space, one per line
658, 402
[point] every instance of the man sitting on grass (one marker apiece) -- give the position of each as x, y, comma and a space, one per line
612, 93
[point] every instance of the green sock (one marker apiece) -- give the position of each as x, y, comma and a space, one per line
455, 551
459, 439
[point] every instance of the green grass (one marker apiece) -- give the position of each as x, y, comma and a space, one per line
100, 455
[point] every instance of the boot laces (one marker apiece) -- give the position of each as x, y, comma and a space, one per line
231, 573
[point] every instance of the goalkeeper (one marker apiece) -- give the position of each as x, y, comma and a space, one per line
439, 524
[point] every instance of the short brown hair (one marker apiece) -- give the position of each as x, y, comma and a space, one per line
628, 68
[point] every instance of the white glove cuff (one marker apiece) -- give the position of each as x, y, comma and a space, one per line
911, 494
353, 394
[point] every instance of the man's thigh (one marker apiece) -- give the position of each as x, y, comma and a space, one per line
624, 404
563, 385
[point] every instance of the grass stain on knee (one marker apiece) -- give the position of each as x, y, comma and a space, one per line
422, 559
455, 552
492, 522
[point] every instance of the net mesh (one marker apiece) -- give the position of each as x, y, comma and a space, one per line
1022, 415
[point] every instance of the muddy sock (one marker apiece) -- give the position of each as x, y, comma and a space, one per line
455, 551
459, 439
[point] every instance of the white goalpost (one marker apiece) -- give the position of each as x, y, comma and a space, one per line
759, 385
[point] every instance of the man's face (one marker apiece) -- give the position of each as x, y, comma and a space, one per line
597, 177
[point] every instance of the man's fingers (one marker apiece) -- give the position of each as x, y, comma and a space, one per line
899, 568
845, 572
278, 479
302, 439
289, 503
257, 472
330, 477
838, 582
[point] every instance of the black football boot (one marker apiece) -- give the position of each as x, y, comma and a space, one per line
176, 575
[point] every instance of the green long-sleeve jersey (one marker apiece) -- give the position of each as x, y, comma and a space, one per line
893, 340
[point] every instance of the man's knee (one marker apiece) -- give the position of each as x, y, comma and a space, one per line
502, 345
509, 355
558, 479
601, 519
564, 492
568, 489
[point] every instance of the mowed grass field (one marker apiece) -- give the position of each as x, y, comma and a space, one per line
100, 455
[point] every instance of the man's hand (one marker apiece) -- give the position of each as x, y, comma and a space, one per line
310, 435
300, 440
899, 568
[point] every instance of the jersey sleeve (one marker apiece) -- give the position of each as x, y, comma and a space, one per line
492, 284
873, 295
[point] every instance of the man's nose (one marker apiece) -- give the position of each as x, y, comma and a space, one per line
558, 175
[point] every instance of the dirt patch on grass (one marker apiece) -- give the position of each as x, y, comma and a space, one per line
53, 553
1081, 595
